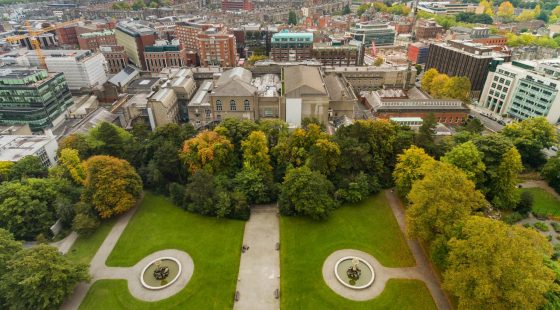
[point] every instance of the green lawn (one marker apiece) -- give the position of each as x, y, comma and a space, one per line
213, 244
544, 203
85, 248
370, 227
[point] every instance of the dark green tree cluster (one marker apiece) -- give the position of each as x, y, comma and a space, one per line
472, 18
36, 278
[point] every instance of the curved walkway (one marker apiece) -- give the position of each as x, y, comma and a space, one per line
423, 267
382, 275
99, 270
542, 185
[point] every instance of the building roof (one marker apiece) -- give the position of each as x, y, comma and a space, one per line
15, 147
303, 80
124, 76
201, 97
337, 90
235, 73
235, 87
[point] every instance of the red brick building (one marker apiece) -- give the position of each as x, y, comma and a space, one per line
67, 35
217, 49
418, 52
403, 28
163, 56
115, 56
428, 29
237, 5
93, 40
492, 40
187, 33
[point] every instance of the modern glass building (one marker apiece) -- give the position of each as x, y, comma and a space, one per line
32, 97
291, 46
380, 33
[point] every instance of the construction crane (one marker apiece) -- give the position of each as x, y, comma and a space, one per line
32, 34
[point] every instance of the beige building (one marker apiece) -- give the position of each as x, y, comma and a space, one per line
372, 78
162, 108
305, 95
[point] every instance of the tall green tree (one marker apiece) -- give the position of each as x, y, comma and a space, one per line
111, 185
493, 147
530, 137
306, 192
441, 201
324, 156
28, 167
496, 266
426, 135
40, 278
467, 158
506, 195
551, 172
427, 79
274, 129
292, 18
209, 150
255, 152
407, 171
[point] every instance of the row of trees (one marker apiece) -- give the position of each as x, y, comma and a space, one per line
527, 39
440, 85
35, 278
486, 263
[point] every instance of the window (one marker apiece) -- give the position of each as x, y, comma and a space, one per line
232, 105
207, 111
218, 105
246, 105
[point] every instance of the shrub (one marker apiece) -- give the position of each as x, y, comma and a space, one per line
527, 225
177, 194
525, 203
513, 218
541, 226
85, 224
555, 226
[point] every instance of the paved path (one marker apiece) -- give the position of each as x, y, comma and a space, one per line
99, 270
259, 269
65, 244
423, 265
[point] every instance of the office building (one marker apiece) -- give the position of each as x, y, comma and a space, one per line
33, 97
134, 38
116, 58
93, 40
523, 89
418, 53
187, 32
336, 54
306, 95
217, 48
377, 32
15, 147
165, 55
83, 69
291, 46
463, 58
428, 29
237, 5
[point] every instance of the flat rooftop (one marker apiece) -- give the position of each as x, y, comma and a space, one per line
15, 147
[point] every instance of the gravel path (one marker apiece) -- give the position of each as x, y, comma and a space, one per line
540, 184
259, 269
65, 244
99, 270
423, 265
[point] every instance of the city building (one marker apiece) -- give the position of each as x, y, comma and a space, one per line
83, 69
217, 48
162, 108
463, 58
165, 55
187, 32
15, 147
305, 95
291, 46
237, 5
418, 53
377, 32
93, 40
134, 37
371, 78
396, 103
428, 29
447, 8
336, 54
523, 89
46, 40
115, 57
33, 97
67, 35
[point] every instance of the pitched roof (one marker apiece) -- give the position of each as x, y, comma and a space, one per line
303, 80
235, 87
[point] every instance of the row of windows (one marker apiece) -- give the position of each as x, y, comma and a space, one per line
233, 105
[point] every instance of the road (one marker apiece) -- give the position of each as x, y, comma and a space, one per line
489, 123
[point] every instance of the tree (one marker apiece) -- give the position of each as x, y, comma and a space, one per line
306, 192
201, 193
346, 10
138, 5
362, 9
407, 171
426, 134
441, 201
418, 69
357, 188
27, 207
209, 151
111, 185
5, 167
378, 61
487, 5
526, 15
525, 204
551, 172
438, 86
292, 18
255, 184
505, 10
496, 266
28, 167
467, 158
493, 147
77, 142
255, 152
506, 195
8, 247
473, 126
70, 167
84, 224
458, 87
40, 278
530, 137
108, 139
274, 129
324, 156
427, 79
